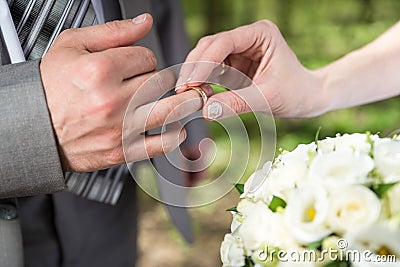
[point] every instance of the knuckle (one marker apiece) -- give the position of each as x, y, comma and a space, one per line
151, 149
159, 83
118, 30
109, 145
269, 25
115, 156
237, 104
66, 36
97, 70
114, 136
156, 117
106, 108
175, 114
226, 42
103, 105
114, 26
167, 145
265, 22
149, 57
207, 40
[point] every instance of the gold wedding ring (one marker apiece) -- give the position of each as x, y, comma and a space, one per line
203, 95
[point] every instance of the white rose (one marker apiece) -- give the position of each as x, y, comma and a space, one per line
394, 200
232, 253
378, 239
260, 226
255, 186
387, 159
301, 152
351, 207
246, 207
289, 171
341, 167
306, 213
353, 142
326, 145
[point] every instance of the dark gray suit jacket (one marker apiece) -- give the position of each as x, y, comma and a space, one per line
59, 229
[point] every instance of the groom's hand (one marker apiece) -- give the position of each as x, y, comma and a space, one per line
259, 51
89, 77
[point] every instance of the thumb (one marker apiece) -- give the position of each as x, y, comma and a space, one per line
112, 34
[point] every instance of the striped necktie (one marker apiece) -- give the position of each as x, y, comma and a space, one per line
38, 23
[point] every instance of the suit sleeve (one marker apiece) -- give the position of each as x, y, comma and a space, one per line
29, 160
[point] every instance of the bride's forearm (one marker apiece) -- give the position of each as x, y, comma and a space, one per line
366, 75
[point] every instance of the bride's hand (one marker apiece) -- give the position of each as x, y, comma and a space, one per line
259, 51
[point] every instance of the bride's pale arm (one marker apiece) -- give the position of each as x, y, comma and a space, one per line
365, 75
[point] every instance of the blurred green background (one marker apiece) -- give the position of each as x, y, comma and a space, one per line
319, 31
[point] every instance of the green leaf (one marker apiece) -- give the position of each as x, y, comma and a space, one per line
316, 138
217, 88
234, 209
338, 264
381, 189
248, 262
314, 245
371, 142
239, 188
276, 202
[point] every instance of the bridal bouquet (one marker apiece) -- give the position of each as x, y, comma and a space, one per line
334, 202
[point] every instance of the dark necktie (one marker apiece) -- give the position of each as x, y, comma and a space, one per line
38, 23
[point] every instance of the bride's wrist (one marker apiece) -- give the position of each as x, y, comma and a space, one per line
320, 97
312, 102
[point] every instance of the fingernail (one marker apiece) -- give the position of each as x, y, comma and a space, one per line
191, 75
214, 110
182, 135
182, 84
179, 84
139, 19
180, 89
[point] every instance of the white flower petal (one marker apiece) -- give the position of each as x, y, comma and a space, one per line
373, 238
261, 226
254, 187
232, 253
387, 159
341, 167
351, 207
394, 200
236, 221
306, 213
350, 142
